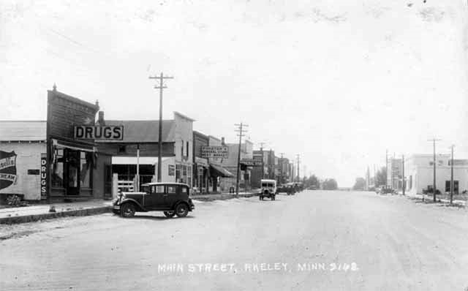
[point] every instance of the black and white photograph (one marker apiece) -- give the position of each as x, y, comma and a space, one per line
234, 145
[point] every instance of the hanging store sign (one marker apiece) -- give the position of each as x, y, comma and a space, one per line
251, 162
99, 132
215, 152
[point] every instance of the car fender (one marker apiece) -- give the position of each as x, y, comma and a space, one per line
182, 202
138, 205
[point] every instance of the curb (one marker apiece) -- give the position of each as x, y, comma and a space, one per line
37, 217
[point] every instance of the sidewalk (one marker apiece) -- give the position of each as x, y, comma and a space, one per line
41, 212
222, 196
429, 198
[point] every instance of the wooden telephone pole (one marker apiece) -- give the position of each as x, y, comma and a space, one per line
161, 87
241, 132
298, 163
434, 182
451, 177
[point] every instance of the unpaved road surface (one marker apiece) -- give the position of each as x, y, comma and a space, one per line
315, 240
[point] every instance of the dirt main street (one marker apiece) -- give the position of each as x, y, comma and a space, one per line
316, 240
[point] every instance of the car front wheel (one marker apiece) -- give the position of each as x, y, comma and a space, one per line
127, 210
169, 213
181, 210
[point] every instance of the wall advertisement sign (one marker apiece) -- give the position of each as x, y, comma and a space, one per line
215, 152
7, 169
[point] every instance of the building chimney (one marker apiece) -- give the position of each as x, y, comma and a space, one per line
222, 141
55, 88
101, 118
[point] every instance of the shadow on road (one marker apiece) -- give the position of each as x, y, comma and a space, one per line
161, 218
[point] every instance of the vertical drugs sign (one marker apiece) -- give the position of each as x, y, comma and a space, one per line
43, 176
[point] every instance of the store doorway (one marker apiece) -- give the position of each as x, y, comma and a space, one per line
72, 172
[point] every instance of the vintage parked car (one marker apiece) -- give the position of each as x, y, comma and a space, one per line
171, 198
387, 190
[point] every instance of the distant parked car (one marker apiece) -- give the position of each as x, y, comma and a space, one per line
171, 198
387, 190
430, 190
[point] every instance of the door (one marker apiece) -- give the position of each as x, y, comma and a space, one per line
171, 195
73, 172
155, 199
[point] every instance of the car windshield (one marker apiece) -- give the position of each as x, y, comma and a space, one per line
267, 185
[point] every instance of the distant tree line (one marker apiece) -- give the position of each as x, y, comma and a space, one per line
380, 180
314, 182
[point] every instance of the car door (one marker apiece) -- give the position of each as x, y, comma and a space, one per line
171, 195
155, 199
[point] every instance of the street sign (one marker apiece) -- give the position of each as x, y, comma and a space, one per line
215, 152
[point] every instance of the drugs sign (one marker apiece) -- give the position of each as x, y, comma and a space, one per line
43, 176
215, 152
99, 132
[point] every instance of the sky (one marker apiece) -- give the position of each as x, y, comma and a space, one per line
337, 82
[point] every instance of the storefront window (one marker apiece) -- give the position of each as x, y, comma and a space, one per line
73, 168
57, 168
178, 172
85, 170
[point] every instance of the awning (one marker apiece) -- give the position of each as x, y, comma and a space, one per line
133, 160
220, 171
77, 147
201, 162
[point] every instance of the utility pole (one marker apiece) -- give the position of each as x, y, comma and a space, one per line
386, 168
241, 132
161, 87
403, 173
281, 169
451, 177
263, 163
375, 180
298, 172
393, 171
434, 147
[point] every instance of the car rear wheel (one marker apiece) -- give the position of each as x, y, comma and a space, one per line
127, 210
169, 213
181, 210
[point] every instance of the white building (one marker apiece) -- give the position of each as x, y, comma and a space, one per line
419, 173
22, 151
395, 173
139, 147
